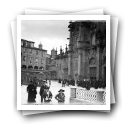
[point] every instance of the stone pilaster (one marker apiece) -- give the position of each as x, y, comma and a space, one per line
79, 63
99, 64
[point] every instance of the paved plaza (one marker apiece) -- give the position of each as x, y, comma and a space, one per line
55, 86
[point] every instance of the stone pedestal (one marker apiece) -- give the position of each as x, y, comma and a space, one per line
99, 95
73, 92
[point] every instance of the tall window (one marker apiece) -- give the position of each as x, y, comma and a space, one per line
36, 60
30, 50
36, 52
30, 60
24, 58
42, 61
24, 50
93, 39
32, 44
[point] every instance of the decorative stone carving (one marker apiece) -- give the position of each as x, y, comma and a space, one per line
92, 61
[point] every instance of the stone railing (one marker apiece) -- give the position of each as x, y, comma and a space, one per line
93, 96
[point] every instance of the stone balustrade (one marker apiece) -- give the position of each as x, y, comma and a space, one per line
93, 96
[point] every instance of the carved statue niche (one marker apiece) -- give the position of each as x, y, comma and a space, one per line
92, 61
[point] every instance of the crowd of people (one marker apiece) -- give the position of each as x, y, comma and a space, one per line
85, 83
45, 94
67, 82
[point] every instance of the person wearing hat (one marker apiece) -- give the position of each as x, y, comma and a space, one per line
47, 95
31, 89
42, 89
60, 97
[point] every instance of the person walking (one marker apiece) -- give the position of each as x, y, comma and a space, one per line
49, 83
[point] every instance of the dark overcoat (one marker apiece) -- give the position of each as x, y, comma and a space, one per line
31, 89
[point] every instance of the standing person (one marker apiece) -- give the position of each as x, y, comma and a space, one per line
31, 89
62, 83
47, 95
60, 97
42, 89
49, 83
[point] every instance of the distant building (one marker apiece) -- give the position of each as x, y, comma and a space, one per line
33, 61
62, 64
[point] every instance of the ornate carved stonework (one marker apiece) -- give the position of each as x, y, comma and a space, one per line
92, 61
76, 63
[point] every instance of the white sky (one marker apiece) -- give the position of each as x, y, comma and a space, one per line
51, 34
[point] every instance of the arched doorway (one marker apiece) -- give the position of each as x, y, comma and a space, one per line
41, 68
30, 67
24, 67
36, 67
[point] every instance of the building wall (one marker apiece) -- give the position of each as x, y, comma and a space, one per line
33, 57
87, 55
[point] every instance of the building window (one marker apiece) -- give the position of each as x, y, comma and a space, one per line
36, 52
42, 54
30, 50
24, 50
41, 61
36, 60
24, 58
31, 44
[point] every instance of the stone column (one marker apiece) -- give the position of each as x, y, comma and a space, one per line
80, 32
69, 64
99, 64
79, 63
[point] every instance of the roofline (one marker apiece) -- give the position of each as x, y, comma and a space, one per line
34, 48
27, 40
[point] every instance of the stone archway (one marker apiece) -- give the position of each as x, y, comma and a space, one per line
30, 67
36, 67
24, 67
41, 68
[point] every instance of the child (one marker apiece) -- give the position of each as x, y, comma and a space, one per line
60, 96
47, 95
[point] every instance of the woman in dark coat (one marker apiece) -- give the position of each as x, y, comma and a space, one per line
31, 89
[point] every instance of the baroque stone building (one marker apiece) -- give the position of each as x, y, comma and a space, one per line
62, 64
87, 50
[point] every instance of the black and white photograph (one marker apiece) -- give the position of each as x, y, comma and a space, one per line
65, 62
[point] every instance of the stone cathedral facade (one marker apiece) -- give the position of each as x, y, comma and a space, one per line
87, 50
